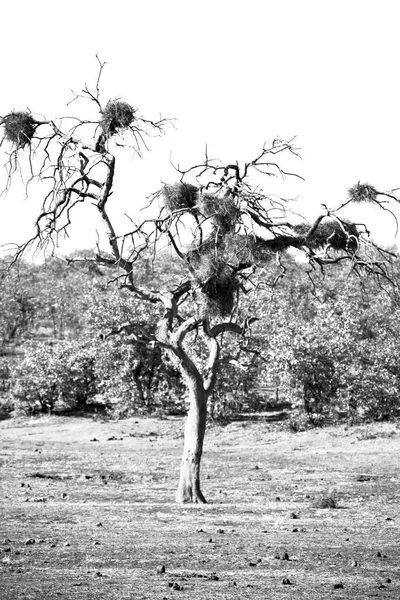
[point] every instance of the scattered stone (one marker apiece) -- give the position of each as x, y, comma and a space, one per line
252, 564
388, 580
94, 440
199, 530
99, 574
175, 586
30, 541
213, 577
99, 524
8, 549
286, 581
278, 499
161, 569
338, 586
379, 555
282, 555
295, 530
210, 540
363, 478
220, 531
354, 563
64, 495
67, 544
293, 515
96, 543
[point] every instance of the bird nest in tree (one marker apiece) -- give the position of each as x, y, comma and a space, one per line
339, 235
216, 264
223, 211
116, 116
180, 196
362, 192
236, 250
217, 286
19, 128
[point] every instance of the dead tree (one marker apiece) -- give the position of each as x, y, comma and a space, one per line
215, 218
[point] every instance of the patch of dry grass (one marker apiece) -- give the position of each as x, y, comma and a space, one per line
109, 529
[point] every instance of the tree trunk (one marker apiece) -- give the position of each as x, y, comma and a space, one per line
189, 482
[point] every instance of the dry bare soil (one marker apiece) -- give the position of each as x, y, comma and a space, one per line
96, 519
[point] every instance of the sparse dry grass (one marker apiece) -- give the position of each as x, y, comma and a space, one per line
103, 522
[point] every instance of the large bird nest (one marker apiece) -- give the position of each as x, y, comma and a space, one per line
216, 265
335, 233
223, 211
180, 196
216, 284
362, 192
19, 128
116, 117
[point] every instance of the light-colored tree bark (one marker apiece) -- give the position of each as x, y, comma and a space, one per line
189, 480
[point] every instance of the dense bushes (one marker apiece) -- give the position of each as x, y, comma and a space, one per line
71, 375
340, 364
332, 356
51, 377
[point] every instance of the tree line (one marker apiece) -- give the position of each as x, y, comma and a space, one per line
332, 354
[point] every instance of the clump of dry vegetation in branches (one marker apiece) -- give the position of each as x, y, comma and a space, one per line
19, 128
234, 229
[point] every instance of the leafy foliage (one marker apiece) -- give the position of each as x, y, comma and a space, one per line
334, 355
54, 377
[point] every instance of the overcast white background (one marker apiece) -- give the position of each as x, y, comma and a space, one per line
233, 74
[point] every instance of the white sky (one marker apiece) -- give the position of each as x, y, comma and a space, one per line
234, 74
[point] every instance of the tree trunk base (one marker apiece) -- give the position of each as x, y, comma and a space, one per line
186, 494
189, 482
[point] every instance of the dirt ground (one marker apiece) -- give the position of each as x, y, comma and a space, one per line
96, 519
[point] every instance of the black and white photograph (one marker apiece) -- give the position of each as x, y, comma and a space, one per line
199, 300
